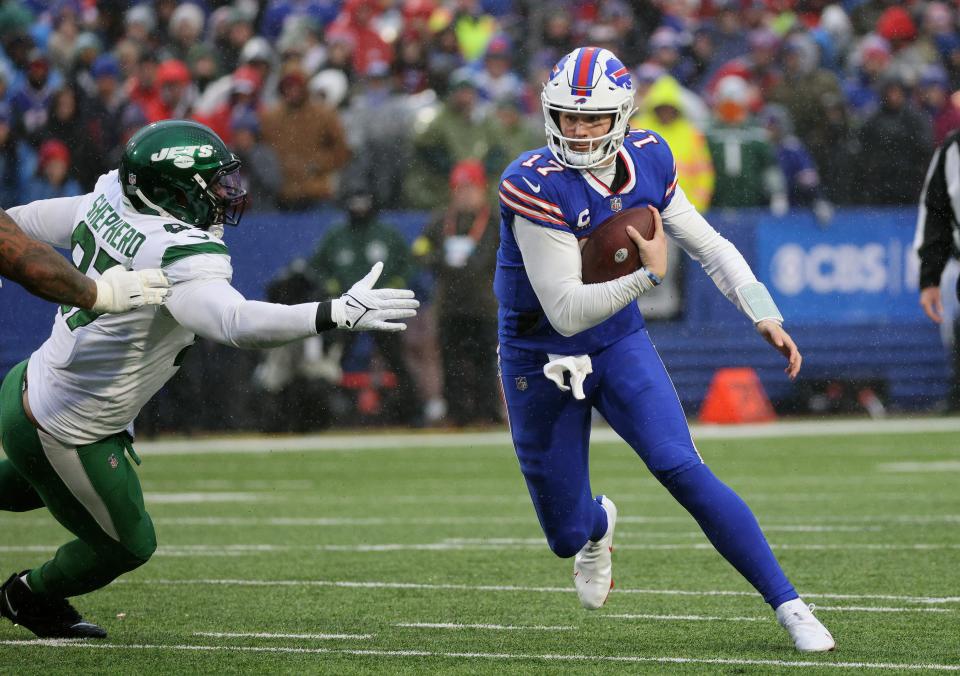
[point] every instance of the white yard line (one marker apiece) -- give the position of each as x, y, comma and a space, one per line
910, 467
312, 637
493, 627
627, 659
351, 584
402, 440
877, 609
493, 544
684, 618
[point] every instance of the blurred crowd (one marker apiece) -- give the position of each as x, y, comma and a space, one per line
400, 104
765, 102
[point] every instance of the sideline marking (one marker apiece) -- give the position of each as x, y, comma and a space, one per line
57, 643
350, 584
316, 637
495, 627
439, 440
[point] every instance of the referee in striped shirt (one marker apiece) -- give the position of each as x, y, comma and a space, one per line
938, 240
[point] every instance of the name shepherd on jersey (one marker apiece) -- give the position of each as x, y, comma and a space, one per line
116, 232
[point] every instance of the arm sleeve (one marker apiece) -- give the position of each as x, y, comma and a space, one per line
49, 221
213, 309
939, 201
552, 261
718, 257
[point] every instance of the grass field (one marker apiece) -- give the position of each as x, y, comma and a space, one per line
421, 554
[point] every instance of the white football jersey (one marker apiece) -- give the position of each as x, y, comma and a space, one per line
93, 375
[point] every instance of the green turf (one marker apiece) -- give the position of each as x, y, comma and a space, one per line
881, 532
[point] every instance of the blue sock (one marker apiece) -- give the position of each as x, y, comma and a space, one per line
599, 522
733, 529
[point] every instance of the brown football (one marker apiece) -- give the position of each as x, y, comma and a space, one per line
609, 252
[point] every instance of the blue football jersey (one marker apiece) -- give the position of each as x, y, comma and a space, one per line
543, 191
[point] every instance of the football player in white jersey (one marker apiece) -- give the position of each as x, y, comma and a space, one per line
67, 411
45, 273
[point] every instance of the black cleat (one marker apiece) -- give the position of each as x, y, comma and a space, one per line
46, 616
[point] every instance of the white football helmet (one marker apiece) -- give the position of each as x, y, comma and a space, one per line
588, 80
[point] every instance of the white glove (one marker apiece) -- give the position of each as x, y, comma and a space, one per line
120, 290
579, 367
364, 308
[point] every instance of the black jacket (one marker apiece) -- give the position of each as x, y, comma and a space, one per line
938, 236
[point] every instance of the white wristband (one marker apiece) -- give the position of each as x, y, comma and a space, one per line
757, 303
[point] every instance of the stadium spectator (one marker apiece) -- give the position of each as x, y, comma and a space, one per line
141, 26
355, 245
474, 29
513, 133
380, 124
309, 141
663, 112
142, 88
758, 67
413, 75
238, 31
29, 103
176, 93
14, 158
460, 131
52, 178
444, 59
106, 105
897, 27
459, 246
185, 29
803, 181
62, 41
804, 86
495, 79
727, 33
870, 61
747, 174
260, 173
244, 95
895, 146
67, 122
935, 101
330, 87
203, 65
354, 22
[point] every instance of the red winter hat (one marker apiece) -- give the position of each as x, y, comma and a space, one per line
173, 71
468, 172
896, 24
51, 150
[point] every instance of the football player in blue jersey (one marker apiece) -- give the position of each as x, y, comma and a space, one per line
567, 347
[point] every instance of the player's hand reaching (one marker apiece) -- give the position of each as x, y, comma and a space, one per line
774, 334
653, 252
364, 308
120, 290
932, 303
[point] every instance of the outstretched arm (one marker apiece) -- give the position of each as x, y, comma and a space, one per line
41, 270
213, 309
730, 272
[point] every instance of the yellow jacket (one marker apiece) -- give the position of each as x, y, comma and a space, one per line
689, 146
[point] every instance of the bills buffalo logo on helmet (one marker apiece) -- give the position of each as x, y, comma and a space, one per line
618, 73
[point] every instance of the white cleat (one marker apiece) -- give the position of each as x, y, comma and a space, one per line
808, 633
593, 566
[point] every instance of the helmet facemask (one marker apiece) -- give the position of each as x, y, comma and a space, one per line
601, 148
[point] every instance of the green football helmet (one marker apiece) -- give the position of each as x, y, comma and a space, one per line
182, 169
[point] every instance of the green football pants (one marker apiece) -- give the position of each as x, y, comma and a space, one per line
92, 490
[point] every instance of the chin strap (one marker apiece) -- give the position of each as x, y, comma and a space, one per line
757, 303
